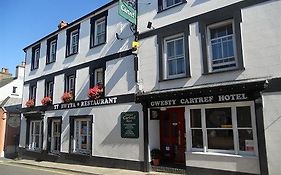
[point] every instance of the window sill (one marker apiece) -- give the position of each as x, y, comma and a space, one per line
34, 69
32, 150
224, 71
94, 46
47, 63
177, 78
69, 55
162, 10
222, 154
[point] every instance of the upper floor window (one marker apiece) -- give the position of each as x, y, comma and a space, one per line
165, 4
72, 40
98, 29
221, 46
99, 76
51, 50
35, 57
32, 92
174, 55
49, 89
170, 3
70, 83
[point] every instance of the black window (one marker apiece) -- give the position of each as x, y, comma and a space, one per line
70, 83
49, 89
173, 52
14, 89
221, 42
51, 50
35, 57
98, 29
72, 40
165, 4
32, 92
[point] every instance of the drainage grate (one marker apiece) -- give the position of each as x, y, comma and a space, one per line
168, 169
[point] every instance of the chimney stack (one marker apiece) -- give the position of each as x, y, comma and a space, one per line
62, 25
20, 70
5, 71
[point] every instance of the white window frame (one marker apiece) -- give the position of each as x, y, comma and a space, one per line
233, 107
35, 61
55, 135
70, 81
74, 43
79, 150
32, 135
209, 46
99, 70
33, 92
165, 57
174, 4
98, 22
50, 89
53, 51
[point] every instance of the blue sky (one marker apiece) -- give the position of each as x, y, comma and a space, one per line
23, 22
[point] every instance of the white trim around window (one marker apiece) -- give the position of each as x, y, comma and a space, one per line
221, 48
35, 135
171, 3
55, 136
100, 31
99, 76
74, 41
174, 57
82, 136
242, 147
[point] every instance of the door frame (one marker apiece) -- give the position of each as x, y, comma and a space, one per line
49, 133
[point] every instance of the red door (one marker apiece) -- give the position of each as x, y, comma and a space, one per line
172, 135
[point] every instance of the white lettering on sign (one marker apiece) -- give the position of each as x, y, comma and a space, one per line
208, 99
127, 11
232, 97
163, 103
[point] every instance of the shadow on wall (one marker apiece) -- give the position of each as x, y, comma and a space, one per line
198, 2
119, 73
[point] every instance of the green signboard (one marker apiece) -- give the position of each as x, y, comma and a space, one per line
127, 9
130, 125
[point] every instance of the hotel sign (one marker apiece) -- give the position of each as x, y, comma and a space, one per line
127, 9
201, 100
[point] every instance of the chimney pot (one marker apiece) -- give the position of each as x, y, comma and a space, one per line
62, 25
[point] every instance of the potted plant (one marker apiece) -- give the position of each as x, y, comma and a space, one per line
46, 101
95, 92
67, 97
30, 103
155, 156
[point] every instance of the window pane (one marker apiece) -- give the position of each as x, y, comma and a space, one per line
172, 67
169, 3
180, 66
246, 142
244, 116
84, 127
170, 49
218, 118
216, 50
195, 118
197, 138
220, 139
179, 47
37, 127
36, 142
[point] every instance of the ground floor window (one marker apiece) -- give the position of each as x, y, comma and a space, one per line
227, 128
81, 142
55, 136
35, 136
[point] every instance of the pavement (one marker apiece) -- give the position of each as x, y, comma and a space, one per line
80, 169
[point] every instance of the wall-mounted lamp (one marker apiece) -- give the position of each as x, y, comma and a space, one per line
149, 25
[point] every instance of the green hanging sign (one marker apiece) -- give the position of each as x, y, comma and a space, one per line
127, 9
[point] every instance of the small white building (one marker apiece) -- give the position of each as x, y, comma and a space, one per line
210, 72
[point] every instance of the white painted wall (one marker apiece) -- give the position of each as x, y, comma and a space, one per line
261, 36
7, 90
107, 141
272, 123
120, 76
115, 24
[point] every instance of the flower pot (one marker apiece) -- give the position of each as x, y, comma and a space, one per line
156, 162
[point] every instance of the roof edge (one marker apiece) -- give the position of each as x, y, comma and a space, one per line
72, 23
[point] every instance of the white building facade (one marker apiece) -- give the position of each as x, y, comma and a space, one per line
210, 75
102, 130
